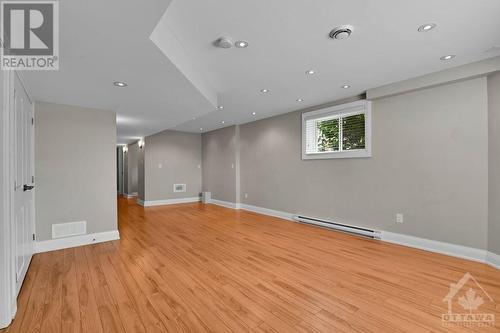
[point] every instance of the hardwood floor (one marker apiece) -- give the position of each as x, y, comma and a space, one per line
198, 268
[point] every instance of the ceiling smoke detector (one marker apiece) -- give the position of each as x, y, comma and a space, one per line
341, 32
223, 43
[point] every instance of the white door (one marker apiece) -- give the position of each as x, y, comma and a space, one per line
23, 201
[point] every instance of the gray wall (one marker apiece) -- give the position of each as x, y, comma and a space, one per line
119, 169
125, 173
141, 176
132, 165
180, 157
494, 163
75, 158
219, 163
430, 162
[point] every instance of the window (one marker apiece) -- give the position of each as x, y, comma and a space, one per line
342, 131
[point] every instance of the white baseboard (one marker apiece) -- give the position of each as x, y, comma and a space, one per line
65, 243
167, 201
267, 211
130, 195
453, 250
227, 204
493, 260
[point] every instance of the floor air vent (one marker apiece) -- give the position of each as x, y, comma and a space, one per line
338, 226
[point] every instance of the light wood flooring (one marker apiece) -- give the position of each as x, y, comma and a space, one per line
204, 268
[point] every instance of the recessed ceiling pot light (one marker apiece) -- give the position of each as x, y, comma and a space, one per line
220, 107
241, 44
342, 32
426, 27
300, 100
310, 72
346, 86
447, 57
120, 84
264, 91
254, 113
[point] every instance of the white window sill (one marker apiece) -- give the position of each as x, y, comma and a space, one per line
338, 154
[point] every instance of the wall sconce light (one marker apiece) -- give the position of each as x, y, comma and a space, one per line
141, 143
125, 149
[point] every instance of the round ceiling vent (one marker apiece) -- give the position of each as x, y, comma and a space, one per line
341, 32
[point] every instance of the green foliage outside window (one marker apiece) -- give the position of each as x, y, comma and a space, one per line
353, 133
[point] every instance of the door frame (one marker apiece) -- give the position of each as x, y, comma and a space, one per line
8, 297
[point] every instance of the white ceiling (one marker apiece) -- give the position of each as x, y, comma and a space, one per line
175, 73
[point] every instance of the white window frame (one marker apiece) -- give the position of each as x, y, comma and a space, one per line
357, 107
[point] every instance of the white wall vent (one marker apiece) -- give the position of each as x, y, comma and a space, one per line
179, 187
69, 229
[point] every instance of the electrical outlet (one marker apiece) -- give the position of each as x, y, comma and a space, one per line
399, 218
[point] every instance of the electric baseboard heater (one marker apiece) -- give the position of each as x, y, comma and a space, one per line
340, 227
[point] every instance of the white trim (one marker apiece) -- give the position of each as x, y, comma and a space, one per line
130, 195
167, 201
65, 243
454, 250
8, 299
226, 204
267, 211
493, 260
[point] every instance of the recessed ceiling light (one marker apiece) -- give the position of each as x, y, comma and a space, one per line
346, 86
264, 91
220, 107
241, 44
426, 27
201, 129
223, 122
120, 84
300, 100
310, 72
448, 57
254, 113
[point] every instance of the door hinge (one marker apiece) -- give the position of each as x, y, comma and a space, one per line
34, 237
32, 121
33, 179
